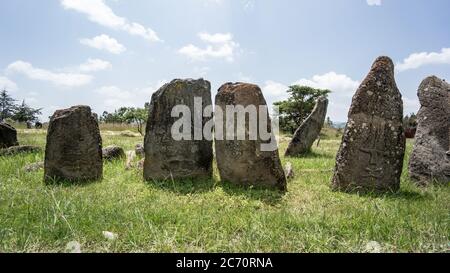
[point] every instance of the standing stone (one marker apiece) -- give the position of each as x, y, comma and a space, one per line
165, 157
139, 150
309, 131
370, 158
430, 160
111, 153
74, 146
243, 162
8, 136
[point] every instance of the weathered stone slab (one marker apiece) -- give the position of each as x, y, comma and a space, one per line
309, 131
112, 153
74, 146
16, 150
165, 157
430, 159
242, 162
370, 158
8, 136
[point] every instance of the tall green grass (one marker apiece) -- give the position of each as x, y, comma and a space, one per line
210, 216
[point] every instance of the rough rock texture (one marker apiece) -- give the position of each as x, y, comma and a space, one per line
140, 151
15, 150
289, 171
131, 155
370, 158
309, 131
430, 159
8, 136
112, 153
74, 146
166, 158
241, 161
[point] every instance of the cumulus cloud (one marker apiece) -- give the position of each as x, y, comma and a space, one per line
417, 60
342, 87
98, 12
7, 84
94, 65
274, 91
114, 97
60, 79
219, 46
338, 83
374, 2
104, 42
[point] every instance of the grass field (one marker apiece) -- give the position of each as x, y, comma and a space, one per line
209, 216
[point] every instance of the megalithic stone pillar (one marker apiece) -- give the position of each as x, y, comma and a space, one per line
242, 161
371, 155
309, 131
430, 159
166, 155
74, 146
8, 136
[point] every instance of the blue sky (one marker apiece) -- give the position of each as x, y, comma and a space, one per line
111, 53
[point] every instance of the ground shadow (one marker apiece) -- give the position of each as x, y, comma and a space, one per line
268, 196
407, 195
184, 186
70, 183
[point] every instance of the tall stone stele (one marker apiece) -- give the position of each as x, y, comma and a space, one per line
74, 147
244, 162
167, 156
430, 159
309, 131
8, 136
371, 155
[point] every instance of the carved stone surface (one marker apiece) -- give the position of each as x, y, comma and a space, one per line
371, 155
165, 157
309, 131
241, 161
430, 159
8, 136
74, 146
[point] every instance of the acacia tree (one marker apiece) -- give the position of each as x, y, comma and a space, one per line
299, 105
137, 116
7, 105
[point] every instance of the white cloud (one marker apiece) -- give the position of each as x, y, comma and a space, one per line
374, 2
61, 79
274, 91
219, 46
114, 97
342, 87
100, 13
93, 65
417, 60
104, 42
7, 84
337, 83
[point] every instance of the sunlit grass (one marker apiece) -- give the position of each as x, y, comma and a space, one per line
208, 216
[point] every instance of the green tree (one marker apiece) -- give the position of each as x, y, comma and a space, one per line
7, 105
410, 121
298, 106
25, 113
137, 116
